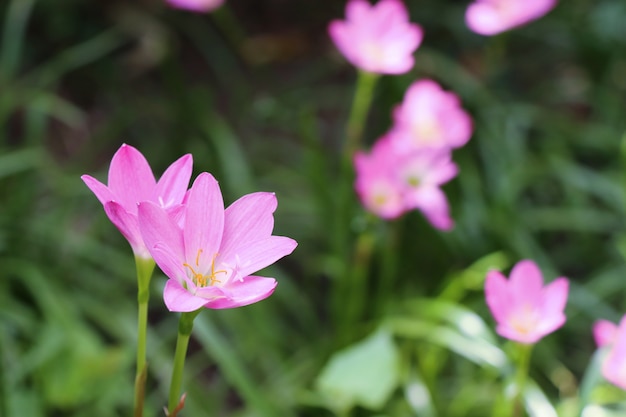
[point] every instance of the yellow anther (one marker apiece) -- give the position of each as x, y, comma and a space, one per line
202, 280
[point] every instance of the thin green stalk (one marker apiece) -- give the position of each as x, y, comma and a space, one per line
144, 269
355, 288
185, 326
363, 95
521, 376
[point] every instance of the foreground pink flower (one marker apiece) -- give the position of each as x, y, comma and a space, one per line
130, 181
209, 260
614, 365
390, 182
430, 117
490, 17
604, 332
523, 308
379, 38
200, 6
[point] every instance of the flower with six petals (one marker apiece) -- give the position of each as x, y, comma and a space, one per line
131, 181
523, 308
378, 39
209, 258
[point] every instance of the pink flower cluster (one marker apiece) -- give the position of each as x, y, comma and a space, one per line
207, 252
407, 166
612, 337
381, 39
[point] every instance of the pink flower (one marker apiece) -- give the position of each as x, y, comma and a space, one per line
431, 117
210, 258
524, 309
378, 39
131, 181
490, 17
614, 364
604, 332
200, 6
390, 182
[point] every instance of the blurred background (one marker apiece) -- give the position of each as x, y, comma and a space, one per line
259, 95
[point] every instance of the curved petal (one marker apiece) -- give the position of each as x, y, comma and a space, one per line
248, 291
248, 219
128, 227
204, 221
257, 255
172, 186
497, 296
130, 177
526, 282
100, 190
604, 332
157, 227
177, 298
433, 203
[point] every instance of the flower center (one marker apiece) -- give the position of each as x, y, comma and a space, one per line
204, 280
428, 131
525, 320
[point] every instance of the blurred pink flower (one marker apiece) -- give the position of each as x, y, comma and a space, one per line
490, 17
131, 181
523, 308
209, 260
379, 38
604, 332
614, 364
200, 6
390, 182
430, 117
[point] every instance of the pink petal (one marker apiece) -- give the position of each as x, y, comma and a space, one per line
604, 332
248, 291
171, 188
261, 253
177, 298
204, 221
101, 191
497, 296
526, 282
433, 203
554, 297
248, 219
158, 227
128, 227
130, 178
614, 366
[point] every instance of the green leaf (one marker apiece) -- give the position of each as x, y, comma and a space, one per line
364, 374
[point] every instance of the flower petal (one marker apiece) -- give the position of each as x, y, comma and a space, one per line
604, 332
171, 188
101, 191
526, 282
497, 296
128, 227
204, 221
158, 227
248, 291
130, 178
177, 298
257, 255
248, 219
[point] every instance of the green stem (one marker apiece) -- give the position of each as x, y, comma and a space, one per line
363, 95
521, 376
185, 325
355, 290
144, 269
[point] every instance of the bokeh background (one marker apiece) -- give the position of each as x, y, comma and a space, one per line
259, 95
